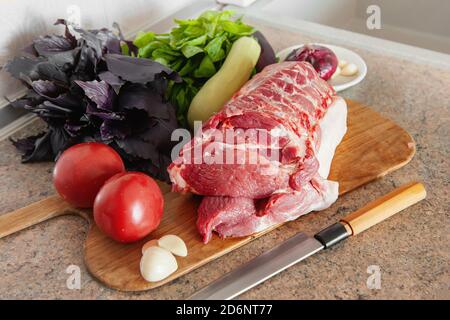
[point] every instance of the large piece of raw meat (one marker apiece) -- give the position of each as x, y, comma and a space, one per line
305, 121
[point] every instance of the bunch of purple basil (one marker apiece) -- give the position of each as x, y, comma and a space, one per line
85, 89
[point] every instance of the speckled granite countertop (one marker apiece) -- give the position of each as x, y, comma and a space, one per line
412, 249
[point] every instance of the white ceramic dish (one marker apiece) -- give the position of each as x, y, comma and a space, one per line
340, 82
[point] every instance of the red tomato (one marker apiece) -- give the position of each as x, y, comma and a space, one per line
129, 206
82, 170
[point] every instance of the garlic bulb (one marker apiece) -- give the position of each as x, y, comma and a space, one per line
342, 63
148, 244
174, 244
157, 264
349, 70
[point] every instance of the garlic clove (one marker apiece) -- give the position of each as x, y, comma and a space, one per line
349, 70
342, 63
157, 264
174, 244
336, 73
148, 244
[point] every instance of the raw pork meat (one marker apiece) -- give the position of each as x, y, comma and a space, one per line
304, 121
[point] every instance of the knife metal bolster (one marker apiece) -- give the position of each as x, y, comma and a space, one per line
332, 234
260, 268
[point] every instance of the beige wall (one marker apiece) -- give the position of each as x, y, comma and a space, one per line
431, 16
22, 20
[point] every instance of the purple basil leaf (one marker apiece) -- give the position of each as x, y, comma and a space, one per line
137, 164
157, 170
49, 71
75, 129
49, 110
60, 140
35, 148
159, 85
113, 129
138, 70
139, 96
26, 145
114, 81
89, 40
20, 66
87, 63
36, 69
132, 49
103, 114
160, 133
49, 45
69, 36
153, 145
30, 100
56, 94
93, 45
66, 60
109, 42
96, 43
137, 120
46, 88
30, 69
137, 147
98, 92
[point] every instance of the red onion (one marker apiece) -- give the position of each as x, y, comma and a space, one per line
323, 59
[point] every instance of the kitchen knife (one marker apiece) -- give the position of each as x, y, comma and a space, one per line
302, 246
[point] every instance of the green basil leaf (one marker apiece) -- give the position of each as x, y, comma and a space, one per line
199, 41
189, 67
190, 51
226, 15
162, 61
206, 68
189, 22
143, 38
210, 15
181, 98
146, 52
125, 49
214, 48
176, 65
237, 28
194, 31
163, 54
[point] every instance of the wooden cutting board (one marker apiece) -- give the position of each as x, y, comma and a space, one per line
372, 147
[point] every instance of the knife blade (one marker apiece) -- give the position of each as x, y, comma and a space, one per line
261, 268
301, 246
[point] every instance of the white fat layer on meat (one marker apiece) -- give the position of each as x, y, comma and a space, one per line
176, 178
333, 127
328, 197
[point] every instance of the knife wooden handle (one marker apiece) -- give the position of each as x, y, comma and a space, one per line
384, 207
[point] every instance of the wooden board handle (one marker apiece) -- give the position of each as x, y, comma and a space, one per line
385, 207
33, 214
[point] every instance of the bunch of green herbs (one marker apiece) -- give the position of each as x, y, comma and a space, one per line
196, 49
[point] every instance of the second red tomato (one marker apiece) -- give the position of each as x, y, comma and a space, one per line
128, 207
